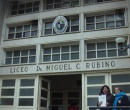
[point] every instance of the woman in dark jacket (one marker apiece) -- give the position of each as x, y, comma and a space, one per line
121, 99
105, 90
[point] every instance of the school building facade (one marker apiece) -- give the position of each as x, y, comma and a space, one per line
46, 66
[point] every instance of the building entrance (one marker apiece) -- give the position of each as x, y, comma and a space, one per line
64, 91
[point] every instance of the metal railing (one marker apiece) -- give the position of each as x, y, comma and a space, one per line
110, 107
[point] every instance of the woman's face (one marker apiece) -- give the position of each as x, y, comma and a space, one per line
105, 90
117, 90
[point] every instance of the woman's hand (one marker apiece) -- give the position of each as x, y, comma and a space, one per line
119, 101
99, 103
107, 103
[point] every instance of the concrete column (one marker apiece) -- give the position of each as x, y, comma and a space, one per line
81, 22
82, 50
83, 92
38, 56
2, 14
39, 27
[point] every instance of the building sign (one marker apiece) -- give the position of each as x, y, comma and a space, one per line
60, 24
67, 67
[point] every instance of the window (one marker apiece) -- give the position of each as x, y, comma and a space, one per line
73, 98
95, 1
61, 53
24, 31
104, 49
26, 93
20, 56
61, 100
7, 92
57, 100
121, 80
93, 85
17, 92
53, 4
111, 20
21, 8
73, 26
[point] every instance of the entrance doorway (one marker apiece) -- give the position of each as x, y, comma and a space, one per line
61, 92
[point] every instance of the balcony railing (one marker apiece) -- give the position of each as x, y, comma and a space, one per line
110, 107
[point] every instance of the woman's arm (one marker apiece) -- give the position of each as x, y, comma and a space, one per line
124, 101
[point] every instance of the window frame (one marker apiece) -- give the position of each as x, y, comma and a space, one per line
105, 14
61, 4
96, 2
17, 91
20, 56
106, 49
24, 8
70, 52
31, 24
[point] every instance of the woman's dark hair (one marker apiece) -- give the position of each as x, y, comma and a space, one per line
101, 91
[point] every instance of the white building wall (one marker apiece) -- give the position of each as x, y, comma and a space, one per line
83, 66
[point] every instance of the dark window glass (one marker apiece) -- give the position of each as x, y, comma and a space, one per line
75, 48
101, 54
28, 5
73, 94
74, 56
6, 101
21, 6
70, 101
31, 59
7, 92
9, 54
33, 52
27, 92
27, 82
13, 12
65, 56
11, 36
93, 90
20, 11
44, 93
47, 50
43, 103
57, 101
36, 3
92, 101
120, 78
6, 83
16, 53
90, 19
95, 80
25, 101
91, 46
24, 59
57, 95
101, 45
14, 7
8, 61
44, 84
91, 54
